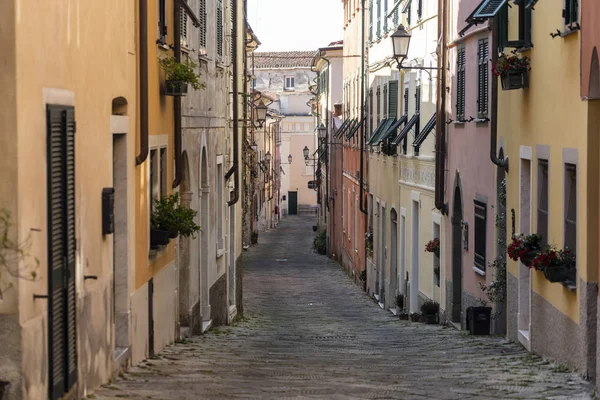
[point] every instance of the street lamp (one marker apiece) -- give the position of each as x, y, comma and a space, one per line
305, 151
290, 158
254, 147
260, 114
400, 43
268, 157
322, 131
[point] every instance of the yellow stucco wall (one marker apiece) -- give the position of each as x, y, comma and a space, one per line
550, 112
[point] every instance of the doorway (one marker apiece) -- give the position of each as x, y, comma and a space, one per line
204, 239
524, 306
416, 250
120, 248
402, 275
232, 255
186, 325
456, 220
393, 256
293, 203
383, 280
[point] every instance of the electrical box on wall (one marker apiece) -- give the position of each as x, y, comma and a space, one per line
108, 211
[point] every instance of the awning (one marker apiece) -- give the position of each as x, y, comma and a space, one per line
381, 128
341, 129
354, 129
485, 10
392, 129
424, 133
391, 12
409, 125
349, 128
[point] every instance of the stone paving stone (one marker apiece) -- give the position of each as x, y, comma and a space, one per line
310, 333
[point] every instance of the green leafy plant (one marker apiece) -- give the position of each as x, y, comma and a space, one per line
15, 259
169, 215
496, 290
181, 71
430, 307
320, 242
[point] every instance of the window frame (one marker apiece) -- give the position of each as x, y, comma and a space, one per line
480, 233
162, 22
287, 86
570, 7
543, 191
570, 195
461, 85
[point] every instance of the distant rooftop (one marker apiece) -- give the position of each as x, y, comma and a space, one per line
283, 59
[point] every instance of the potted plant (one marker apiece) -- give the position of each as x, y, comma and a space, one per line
178, 75
415, 317
557, 265
320, 242
430, 310
524, 248
254, 237
433, 246
171, 217
369, 244
513, 71
400, 308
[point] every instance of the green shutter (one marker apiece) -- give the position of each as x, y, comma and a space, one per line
385, 101
482, 78
378, 19
393, 99
502, 21
418, 100
460, 84
370, 20
419, 9
406, 100
378, 105
385, 13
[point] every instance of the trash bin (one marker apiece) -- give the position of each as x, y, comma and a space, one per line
479, 320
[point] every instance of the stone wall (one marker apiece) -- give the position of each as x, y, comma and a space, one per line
10, 356
218, 301
512, 299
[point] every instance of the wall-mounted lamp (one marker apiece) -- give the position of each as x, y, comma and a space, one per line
260, 115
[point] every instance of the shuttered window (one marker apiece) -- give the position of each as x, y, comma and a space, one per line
183, 30
460, 84
370, 20
406, 100
396, 16
162, 21
418, 100
220, 30
571, 11
202, 30
571, 207
62, 337
385, 101
419, 9
393, 99
480, 234
378, 105
385, 18
378, 19
542, 209
371, 112
409, 13
482, 78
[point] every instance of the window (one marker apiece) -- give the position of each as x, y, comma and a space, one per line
396, 16
393, 99
419, 9
289, 83
480, 234
183, 17
571, 207
162, 21
460, 84
406, 99
344, 206
220, 30
155, 177
202, 30
542, 210
378, 19
418, 100
571, 11
408, 13
371, 130
220, 187
523, 15
164, 183
370, 20
482, 78
385, 100
378, 105
356, 224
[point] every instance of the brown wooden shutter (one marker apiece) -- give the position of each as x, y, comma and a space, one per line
62, 335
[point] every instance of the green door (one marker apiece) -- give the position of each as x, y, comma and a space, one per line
293, 203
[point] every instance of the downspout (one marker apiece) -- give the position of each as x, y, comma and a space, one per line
236, 150
440, 134
503, 163
143, 10
362, 106
177, 99
326, 130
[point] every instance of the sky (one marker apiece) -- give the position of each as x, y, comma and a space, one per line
284, 25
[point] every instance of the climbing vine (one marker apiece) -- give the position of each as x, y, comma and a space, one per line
15, 259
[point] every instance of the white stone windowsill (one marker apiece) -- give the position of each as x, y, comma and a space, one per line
220, 253
478, 271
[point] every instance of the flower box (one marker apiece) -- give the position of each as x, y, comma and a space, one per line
515, 80
559, 274
176, 88
159, 238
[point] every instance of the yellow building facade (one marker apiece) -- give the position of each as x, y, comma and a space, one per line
549, 135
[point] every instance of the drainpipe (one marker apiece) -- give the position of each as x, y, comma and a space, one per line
440, 134
503, 163
143, 10
327, 130
362, 105
177, 99
235, 167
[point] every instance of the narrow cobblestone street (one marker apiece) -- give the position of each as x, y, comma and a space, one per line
309, 332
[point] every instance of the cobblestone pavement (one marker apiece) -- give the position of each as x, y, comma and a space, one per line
309, 332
